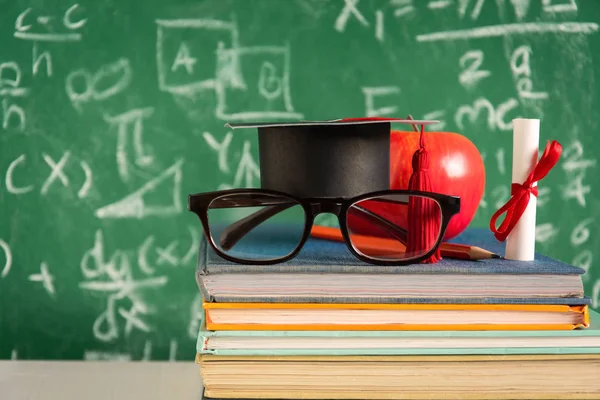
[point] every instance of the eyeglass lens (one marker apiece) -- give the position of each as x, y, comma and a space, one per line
257, 227
394, 227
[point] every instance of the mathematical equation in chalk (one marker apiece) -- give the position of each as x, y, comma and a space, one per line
498, 115
59, 173
128, 281
39, 29
390, 15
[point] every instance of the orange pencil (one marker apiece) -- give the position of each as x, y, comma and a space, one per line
383, 245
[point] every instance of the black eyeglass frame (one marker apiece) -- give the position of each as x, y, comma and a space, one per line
199, 204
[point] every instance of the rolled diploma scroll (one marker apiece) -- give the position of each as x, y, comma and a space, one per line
520, 243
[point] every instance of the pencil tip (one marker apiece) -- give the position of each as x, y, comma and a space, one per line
496, 256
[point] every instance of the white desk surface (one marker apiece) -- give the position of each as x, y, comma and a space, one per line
99, 380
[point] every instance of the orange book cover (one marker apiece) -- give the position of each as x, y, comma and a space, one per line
582, 309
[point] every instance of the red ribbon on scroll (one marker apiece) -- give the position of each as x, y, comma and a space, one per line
520, 193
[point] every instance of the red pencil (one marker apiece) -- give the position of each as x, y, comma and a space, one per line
383, 245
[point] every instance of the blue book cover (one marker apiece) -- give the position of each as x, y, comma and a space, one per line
321, 257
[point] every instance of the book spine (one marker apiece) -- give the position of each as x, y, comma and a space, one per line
202, 269
209, 298
202, 266
203, 337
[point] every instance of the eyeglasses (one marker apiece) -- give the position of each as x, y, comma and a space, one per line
257, 226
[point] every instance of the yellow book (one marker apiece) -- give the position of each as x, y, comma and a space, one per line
325, 316
401, 377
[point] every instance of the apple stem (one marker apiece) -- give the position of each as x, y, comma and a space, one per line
414, 126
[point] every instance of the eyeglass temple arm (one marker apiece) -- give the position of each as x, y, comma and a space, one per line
236, 231
394, 230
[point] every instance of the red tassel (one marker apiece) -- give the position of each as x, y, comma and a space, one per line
424, 215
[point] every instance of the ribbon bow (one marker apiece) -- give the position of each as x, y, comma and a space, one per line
520, 193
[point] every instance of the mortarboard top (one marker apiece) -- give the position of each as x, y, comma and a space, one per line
334, 158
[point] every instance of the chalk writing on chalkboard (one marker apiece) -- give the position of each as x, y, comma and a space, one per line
247, 172
114, 276
371, 94
130, 121
558, 6
44, 27
57, 174
135, 205
38, 27
471, 63
83, 86
497, 116
126, 287
545, 232
521, 68
575, 167
13, 115
7, 258
510, 29
438, 115
11, 186
181, 46
221, 149
40, 59
579, 236
250, 82
45, 278
262, 76
350, 12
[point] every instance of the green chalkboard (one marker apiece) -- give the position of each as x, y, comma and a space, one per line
113, 111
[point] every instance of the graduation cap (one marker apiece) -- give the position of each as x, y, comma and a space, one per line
335, 158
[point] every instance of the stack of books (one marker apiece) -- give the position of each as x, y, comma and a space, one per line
325, 325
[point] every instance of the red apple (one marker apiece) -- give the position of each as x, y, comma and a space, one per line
455, 168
